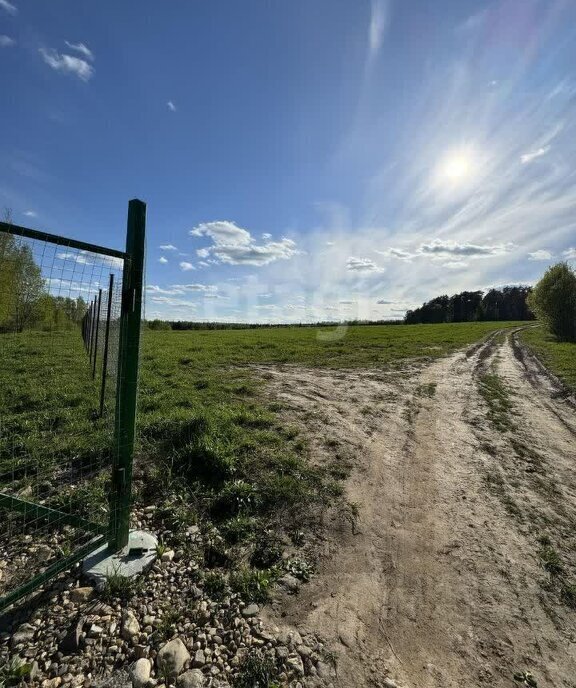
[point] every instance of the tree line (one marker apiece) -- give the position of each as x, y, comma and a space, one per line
508, 303
180, 325
25, 302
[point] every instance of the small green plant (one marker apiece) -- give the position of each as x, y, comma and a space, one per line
525, 678
168, 625
267, 551
13, 671
299, 569
120, 587
352, 515
550, 560
256, 671
215, 585
252, 585
161, 549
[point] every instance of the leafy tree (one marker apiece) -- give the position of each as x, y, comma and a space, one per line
554, 301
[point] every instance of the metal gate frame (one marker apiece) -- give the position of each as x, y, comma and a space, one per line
116, 533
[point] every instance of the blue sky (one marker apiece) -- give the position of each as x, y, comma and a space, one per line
303, 160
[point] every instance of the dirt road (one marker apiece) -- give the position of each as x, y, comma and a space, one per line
461, 568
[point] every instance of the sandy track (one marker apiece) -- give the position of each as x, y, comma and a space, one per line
442, 585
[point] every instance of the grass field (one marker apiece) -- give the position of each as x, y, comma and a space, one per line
212, 447
559, 357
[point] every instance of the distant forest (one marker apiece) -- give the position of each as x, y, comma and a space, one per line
508, 303
25, 302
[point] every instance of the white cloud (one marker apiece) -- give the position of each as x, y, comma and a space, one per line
30, 213
362, 265
171, 106
569, 254
162, 260
438, 247
173, 302
8, 7
168, 247
67, 64
540, 255
82, 49
6, 41
266, 235
532, 155
80, 257
195, 287
399, 253
203, 252
455, 264
234, 245
185, 266
378, 22
155, 289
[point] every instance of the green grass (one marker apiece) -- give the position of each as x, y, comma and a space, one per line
559, 357
497, 397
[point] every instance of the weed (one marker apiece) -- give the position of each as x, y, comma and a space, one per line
120, 587
256, 671
215, 585
299, 569
427, 389
267, 551
352, 514
550, 560
525, 678
13, 672
252, 585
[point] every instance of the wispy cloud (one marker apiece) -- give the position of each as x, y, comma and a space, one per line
168, 247
439, 247
8, 7
186, 266
379, 17
362, 265
162, 260
541, 254
532, 155
234, 245
171, 106
569, 254
30, 213
6, 41
82, 49
67, 64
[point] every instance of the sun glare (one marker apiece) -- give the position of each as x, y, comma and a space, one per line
456, 167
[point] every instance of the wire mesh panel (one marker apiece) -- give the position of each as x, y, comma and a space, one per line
61, 312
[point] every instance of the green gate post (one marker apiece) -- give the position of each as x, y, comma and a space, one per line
127, 385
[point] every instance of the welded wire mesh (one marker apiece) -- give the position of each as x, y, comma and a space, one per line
57, 401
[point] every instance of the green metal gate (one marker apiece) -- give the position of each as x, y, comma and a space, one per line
70, 317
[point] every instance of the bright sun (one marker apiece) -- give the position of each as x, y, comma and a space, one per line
456, 167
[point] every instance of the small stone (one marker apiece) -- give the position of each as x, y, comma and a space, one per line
296, 665
140, 673
172, 657
193, 678
199, 659
52, 682
95, 631
250, 611
168, 555
282, 652
24, 634
389, 683
130, 625
81, 595
290, 583
323, 670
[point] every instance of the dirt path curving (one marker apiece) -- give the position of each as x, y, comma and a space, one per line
443, 585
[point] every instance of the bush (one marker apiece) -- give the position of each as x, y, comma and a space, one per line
554, 301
